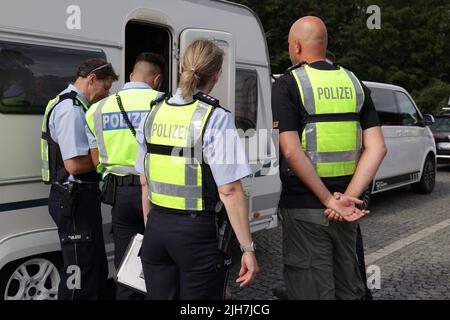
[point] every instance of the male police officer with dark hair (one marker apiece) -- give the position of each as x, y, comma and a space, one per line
325, 117
74, 196
111, 125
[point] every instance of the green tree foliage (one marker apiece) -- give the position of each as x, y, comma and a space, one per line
412, 48
433, 97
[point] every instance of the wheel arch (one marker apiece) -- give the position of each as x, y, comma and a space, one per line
430, 153
28, 245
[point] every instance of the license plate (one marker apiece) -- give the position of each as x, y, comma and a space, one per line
443, 145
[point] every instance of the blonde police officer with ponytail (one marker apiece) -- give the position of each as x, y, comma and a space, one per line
325, 117
111, 125
183, 155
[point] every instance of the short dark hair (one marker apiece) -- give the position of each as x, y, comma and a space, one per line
98, 66
154, 59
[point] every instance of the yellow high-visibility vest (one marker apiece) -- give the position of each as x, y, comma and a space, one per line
177, 176
117, 146
332, 134
52, 168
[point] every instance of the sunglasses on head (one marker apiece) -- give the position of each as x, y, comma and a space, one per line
100, 67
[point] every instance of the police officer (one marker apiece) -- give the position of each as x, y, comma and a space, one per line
184, 141
111, 125
325, 116
359, 238
74, 195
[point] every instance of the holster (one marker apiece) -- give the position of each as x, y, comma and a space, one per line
225, 233
69, 200
109, 188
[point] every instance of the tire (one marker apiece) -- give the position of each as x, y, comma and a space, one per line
32, 278
428, 179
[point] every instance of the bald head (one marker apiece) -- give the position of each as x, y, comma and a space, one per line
308, 40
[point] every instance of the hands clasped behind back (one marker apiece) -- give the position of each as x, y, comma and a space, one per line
342, 207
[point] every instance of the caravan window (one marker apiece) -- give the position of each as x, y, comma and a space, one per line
31, 75
246, 99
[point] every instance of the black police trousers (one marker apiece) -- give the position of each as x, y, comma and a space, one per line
180, 258
85, 268
127, 220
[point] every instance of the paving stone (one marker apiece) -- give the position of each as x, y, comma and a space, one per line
419, 270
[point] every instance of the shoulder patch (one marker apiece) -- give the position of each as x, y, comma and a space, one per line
207, 99
295, 66
337, 64
70, 95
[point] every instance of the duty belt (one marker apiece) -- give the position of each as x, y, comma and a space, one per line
130, 180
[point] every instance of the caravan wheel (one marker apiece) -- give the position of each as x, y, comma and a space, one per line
30, 279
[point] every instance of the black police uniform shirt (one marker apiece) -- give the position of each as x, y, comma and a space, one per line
288, 112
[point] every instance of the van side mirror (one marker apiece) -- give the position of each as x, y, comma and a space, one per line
428, 120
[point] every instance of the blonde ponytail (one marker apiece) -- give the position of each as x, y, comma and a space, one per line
201, 62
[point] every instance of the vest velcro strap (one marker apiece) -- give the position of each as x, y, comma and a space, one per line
335, 117
159, 99
73, 96
183, 152
68, 95
46, 136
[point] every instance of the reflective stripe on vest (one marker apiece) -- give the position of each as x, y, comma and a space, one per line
117, 146
176, 181
45, 166
334, 147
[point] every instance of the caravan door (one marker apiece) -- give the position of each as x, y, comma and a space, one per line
224, 89
261, 216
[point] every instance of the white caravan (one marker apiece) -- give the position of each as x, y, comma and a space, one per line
42, 44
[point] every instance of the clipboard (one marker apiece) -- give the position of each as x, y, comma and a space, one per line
130, 273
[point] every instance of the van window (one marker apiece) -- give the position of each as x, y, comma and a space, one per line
384, 102
408, 112
246, 99
31, 75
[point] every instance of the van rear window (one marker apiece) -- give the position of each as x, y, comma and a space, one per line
386, 106
31, 75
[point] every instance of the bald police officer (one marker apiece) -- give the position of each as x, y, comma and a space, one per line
325, 117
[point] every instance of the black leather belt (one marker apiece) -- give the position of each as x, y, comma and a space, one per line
130, 180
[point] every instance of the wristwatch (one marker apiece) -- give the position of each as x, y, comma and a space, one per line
250, 248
